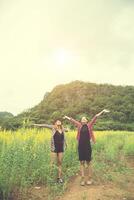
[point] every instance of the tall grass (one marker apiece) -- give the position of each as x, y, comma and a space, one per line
25, 157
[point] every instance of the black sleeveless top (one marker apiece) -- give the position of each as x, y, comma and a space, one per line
59, 142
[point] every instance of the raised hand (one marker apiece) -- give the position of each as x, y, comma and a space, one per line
66, 117
106, 111
103, 111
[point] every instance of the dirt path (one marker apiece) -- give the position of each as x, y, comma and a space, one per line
121, 189
117, 191
93, 192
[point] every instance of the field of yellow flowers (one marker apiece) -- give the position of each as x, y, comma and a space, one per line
25, 158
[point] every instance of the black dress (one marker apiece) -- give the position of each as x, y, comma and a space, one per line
84, 146
59, 142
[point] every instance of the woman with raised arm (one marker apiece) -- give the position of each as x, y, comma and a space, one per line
58, 144
84, 135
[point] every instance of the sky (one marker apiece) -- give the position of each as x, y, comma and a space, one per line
44, 43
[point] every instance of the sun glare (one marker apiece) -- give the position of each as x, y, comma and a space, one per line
62, 56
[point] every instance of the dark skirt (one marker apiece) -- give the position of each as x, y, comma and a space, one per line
59, 148
85, 152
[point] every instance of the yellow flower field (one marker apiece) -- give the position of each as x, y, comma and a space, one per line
25, 157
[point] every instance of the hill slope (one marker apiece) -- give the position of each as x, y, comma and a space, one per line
4, 116
81, 98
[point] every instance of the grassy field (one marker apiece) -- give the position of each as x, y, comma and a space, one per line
25, 159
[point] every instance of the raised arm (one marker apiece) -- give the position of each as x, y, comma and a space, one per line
44, 125
93, 120
96, 116
75, 122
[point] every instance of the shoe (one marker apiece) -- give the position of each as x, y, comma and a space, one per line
60, 180
82, 183
89, 182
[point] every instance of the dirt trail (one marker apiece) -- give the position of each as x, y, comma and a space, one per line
121, 189
96, 191
93, 192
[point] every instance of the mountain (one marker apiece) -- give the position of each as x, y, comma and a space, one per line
5, 116
79, 98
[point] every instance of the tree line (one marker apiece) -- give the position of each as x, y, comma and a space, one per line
81, 98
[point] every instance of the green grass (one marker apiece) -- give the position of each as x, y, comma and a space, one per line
25, 159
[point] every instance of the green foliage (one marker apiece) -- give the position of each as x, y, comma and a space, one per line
80, 98
25, 159
4, 116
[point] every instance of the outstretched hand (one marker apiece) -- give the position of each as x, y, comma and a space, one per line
106, 111
66, 117
103, 111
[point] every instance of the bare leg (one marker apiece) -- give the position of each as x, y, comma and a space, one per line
89, 181
89, 169
82, 168
53, 158
60, 156
53, 163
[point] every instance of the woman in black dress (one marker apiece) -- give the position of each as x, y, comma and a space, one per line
84, 135
84, 145
58, 145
